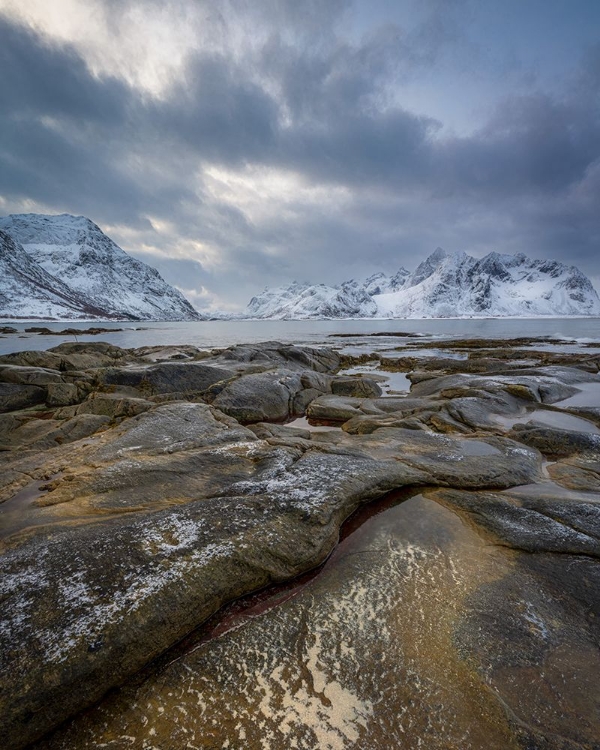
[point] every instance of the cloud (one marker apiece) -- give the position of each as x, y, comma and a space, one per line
276, 144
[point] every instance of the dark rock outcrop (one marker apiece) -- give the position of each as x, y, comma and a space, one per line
16, 396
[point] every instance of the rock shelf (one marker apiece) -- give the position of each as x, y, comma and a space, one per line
142, 490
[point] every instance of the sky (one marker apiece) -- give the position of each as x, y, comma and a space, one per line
240, 144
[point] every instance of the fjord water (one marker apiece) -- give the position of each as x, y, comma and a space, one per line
221, 333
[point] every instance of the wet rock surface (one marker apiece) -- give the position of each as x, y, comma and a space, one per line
139, 494
419, 632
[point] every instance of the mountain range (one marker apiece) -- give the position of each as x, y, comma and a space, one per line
64, 267
443, 285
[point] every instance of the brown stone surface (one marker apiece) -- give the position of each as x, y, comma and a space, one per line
130, 516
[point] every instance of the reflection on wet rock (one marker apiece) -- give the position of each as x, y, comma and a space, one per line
363, 656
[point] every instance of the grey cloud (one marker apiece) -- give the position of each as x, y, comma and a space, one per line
532, 143
38, 77
325, 107
65, 134
218, 113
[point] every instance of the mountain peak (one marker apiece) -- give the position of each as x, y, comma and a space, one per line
85, 265
50, 229
445, 285
428, 266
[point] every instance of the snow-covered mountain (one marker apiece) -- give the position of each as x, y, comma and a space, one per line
73, 270
443, 285
309, 301
26, 290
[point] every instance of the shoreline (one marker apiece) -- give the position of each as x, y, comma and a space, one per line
295, 320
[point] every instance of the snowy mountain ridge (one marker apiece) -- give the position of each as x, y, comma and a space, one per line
65, 267
443, 285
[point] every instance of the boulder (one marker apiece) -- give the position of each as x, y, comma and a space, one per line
166, 377
578, 472
43, 434
88, 355
15, 396
555, 443
261, 397
62, 394
533, 522
114, 405
68, 356
355, 386
28, 375
270, 354
272, 396
334, 408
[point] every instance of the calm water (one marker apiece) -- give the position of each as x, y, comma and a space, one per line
220, 333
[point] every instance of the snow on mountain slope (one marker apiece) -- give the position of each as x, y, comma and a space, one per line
496, 286
79, 256
27, 291
379, 283
300, 301
443, 285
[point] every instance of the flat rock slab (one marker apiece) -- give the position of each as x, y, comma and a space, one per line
154, 524
167, 377
413, 610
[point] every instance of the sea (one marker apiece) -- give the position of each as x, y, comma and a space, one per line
351, 336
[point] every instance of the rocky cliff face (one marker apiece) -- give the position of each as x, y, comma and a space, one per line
443, 285
75, 271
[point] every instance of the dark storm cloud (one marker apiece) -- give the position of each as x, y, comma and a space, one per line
330, 109
64, 132
531, 144
38, 78
330, 120
217, 113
